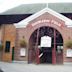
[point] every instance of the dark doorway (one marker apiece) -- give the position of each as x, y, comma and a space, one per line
47, 55
12, 53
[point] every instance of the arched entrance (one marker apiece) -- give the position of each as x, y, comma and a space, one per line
53, 54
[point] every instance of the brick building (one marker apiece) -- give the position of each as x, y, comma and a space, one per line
45, 23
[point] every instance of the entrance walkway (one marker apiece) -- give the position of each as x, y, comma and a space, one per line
17, 67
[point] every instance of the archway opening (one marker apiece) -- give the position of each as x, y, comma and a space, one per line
50, 53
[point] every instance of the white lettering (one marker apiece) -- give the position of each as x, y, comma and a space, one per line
48, 21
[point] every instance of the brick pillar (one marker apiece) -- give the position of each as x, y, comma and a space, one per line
54, 49
37, 56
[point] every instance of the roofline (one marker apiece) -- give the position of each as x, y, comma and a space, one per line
25, 22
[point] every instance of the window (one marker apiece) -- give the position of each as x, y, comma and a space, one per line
7, 46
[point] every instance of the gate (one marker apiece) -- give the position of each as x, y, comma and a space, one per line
38, 54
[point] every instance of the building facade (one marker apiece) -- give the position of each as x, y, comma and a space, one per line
56, 27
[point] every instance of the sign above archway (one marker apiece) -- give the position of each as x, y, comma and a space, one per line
47, 21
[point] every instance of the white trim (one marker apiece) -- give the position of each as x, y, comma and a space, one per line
24, 22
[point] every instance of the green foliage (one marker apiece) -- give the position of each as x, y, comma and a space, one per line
69, 44
23, 43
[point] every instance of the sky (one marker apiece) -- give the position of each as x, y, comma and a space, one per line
8, 4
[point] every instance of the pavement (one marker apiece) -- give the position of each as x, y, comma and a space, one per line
23, 67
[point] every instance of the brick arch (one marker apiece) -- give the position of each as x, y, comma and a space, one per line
32, 29
43, 25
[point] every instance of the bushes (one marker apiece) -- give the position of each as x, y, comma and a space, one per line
69, 44
23, 43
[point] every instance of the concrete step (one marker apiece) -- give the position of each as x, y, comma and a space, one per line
23, 62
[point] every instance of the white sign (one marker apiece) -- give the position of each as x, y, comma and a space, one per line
69, 53
45, 41
22, 52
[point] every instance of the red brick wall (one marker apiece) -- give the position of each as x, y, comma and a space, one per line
8, 35
15, 35
19, 35
65, 31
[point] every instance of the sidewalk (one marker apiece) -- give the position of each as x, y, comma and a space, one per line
17, 67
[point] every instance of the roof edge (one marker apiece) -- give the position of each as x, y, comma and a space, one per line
28, 19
